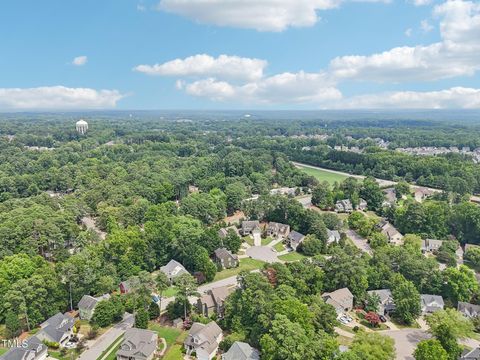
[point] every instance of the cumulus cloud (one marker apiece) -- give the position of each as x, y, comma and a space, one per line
426, 26
264, 15
456, 97
57, 97
455, 55
80, 60
421, 2
224, 67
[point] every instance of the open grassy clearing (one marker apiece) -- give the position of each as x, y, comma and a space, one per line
293, 256
323, 175
246, 264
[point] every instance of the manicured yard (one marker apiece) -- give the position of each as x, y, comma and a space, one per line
279, 247
248, 240
266, 241
323, 175
71, 354
174, 353
292, 256
171, 291
169, 333
3, 350
246, 264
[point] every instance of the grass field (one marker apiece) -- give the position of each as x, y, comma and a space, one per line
293, 256
3, 350
246, 264
173, 337
323, 175
266, 241
279, 247
171, 291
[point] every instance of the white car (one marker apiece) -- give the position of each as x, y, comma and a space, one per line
70, 345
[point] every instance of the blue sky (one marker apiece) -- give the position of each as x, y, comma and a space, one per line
289, 44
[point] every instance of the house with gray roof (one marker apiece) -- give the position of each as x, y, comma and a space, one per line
87, 304
430, 245
386, 305
223, 232
138, 344
393, 235
58, 329
277, 230
203, 340
249, 227
431, 303
31, 349
470, 354
241, 351
173, 270
341, 300
333, 236
362, 205
294, 239
212, 302
225, 259
468, 310
344, 206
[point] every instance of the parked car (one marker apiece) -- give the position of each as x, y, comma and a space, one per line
382, 318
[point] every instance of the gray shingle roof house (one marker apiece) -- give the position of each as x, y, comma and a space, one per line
469, 310
249, 227
431, 303
212, 302
87, 304
223, 232
277, 229
332, 236
387, 304
390, 197
471, 354
225, 258
33, 349
430, 245
294, 239
58, 328
204, 340
173, 269
343, 206
341, 299
138, 344
392, 234
362, 205
241, 351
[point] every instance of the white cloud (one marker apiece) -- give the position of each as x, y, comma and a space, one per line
455, 55
57, 97
426, 26
261, 15
454, 98
421, 2
408, 32
224, 67
80, 60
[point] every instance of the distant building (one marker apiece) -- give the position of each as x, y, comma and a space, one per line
223, 232
344, 206
225, 259
241, 351
333, 236
173, 270
277, 230
470, 354
87, 305
392, 234
341, 300
390, 197
431, 303
283, 191
430, 245
58, 329
249, 227
386, 305
33, 349
469, 310
294, 239
362, 205
81, 126
203, 340
138, 344
212, 302
421, 193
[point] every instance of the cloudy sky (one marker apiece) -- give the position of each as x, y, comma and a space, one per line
239, 54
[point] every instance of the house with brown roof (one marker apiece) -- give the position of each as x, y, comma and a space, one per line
341, 300
225, 259
393, 235
212, 302
277, 230
203, 340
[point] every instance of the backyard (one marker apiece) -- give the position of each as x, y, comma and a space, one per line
246, 264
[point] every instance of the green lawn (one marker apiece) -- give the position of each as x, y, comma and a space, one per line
169, 333
266, 241
174, 353
71, 354
248, 240
246, 264
322, 175
292, 256
3, 350
279, 247
114, 347
171, 291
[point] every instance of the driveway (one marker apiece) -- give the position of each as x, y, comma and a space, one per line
264, 253
104, 341
359, 241
406, 341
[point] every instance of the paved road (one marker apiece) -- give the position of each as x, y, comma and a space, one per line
359, 241
104, 341
406, 341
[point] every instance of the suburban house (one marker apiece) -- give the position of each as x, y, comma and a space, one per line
362, 205
87, 305
125, 287
341, 300
469, 310
390, 197
173, 270
470, 354
431, 303
277, 230
333, 236
138, 344
283, 191
241, 351
344, 206
225, 258
392, 234
223, 232
422, 193
212, 302
294, 239
203, 340
430, 245
386, 305
249, 227
32, 349
58, 329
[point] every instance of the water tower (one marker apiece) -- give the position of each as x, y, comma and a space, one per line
81, 126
